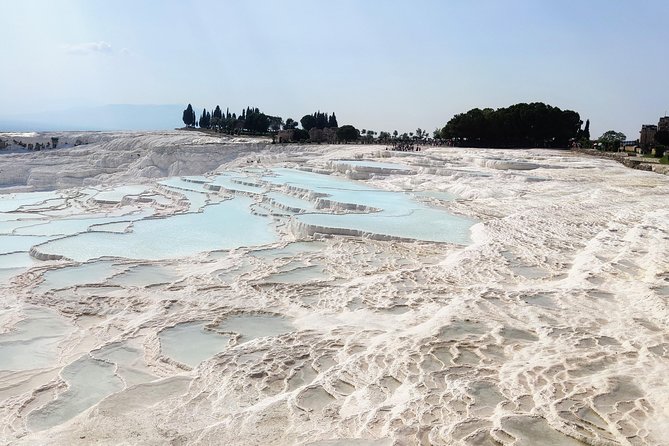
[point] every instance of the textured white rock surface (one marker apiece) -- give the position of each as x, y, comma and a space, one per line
550, 327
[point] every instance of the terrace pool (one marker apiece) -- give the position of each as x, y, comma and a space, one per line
399, 215
190, 343
225, 225
33, 342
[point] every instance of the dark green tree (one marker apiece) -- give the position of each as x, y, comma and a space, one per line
611, 140
189, 116
216, 119
275, 123
290, 124
253, 121
300, 135
319, 120
205, 119
332, 122
217, 113
308, 122
347, 133
520, 125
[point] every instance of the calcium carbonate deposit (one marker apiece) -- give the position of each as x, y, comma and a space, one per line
179, 288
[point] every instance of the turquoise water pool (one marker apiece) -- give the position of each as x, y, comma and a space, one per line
225, 225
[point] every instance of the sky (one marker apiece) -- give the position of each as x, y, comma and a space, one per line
379, 64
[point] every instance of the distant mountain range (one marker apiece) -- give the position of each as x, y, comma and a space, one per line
106, 117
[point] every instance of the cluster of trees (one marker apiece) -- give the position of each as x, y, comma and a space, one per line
520, 125
319, 121
250, 120
253, 121
611, 140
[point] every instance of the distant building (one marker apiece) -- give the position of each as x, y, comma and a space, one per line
630, 146
327, 134
663, 125
647, 137
285, 135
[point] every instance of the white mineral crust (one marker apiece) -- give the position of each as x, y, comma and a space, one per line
550, 327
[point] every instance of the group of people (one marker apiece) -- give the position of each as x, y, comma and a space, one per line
404, 147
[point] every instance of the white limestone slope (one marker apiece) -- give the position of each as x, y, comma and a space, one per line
122, 157
552, 327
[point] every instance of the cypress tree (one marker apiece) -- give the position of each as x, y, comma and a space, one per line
188, 116
205, 119
333, 121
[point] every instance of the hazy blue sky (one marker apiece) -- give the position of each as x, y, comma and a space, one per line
382, 65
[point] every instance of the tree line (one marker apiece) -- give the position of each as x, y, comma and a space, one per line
520, 125
251, 120
319, 120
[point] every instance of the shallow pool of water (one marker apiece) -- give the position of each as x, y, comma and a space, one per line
400, 215
182, 184
9, 226
190, 344
195, 192
89, 381
129, 361
145, 275
117, 193
289, 202
256, 326
33, 342
225, 225
12, 202
232, 183
14, 243
419, 223
373, 165
89, 273
17, 260
69, 226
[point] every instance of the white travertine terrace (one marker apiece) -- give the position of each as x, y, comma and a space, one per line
544, 321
